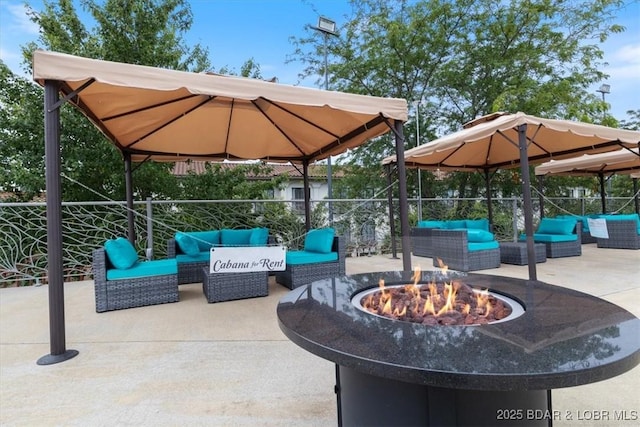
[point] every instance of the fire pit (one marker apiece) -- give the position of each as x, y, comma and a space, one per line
395, 372
448, 302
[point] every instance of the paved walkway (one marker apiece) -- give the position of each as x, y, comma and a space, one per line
228, 364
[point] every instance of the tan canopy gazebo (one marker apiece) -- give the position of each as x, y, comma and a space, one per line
624, 161
502, 141
165, 115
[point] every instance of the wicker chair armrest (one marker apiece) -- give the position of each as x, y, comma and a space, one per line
172, 248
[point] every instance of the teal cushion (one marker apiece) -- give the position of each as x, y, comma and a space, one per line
187, 244
205, 239
235, 237
455, 223
482, 246
319, 240
160, 267
477, 224
121, 253
478, 236
259, 236
203, 256
431, 224
554, 238
305, 257
556, 226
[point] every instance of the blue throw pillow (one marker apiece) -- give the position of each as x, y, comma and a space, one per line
479, 236
477, 224
556, 226
230, 237
259, 236
319, 240
121, 253
187, 244
454, 224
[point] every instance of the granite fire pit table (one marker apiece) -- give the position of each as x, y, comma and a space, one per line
391, 372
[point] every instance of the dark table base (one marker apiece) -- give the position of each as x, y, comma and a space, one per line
374, 401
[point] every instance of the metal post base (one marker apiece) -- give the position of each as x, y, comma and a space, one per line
50, 359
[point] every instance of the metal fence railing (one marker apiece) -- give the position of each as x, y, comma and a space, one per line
363, 223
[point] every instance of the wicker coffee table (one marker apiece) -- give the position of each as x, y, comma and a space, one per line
516, 252
219, 287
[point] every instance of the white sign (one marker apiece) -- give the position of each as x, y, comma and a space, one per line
598, 227
247, 258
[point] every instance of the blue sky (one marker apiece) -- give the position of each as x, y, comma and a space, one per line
236, 30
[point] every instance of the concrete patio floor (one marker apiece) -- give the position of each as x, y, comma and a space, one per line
228, 364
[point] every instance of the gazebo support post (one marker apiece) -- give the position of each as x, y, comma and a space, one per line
528, 206
635, 192
487, 180
402, 196
128, 183
59, 353
603, 196
392, 223
307, 195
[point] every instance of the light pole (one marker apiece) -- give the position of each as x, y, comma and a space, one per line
416, 104
604, 89
328, 28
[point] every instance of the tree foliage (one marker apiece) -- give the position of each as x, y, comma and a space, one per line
467, 58
145, 32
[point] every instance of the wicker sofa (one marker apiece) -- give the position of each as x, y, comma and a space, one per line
296, 275
623, 230
191, 261
141, 284
422, 236
454, 249
562, 237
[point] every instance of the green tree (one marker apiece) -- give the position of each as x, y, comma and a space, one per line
467, 58
148, 32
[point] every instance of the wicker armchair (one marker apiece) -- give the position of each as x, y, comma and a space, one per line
451, 246
421, 241
623, 234
565, 249
131, 292
188, 272
302, 274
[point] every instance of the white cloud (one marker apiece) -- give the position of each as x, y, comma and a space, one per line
19, 21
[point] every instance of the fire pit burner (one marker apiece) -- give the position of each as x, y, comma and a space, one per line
438, 303
404, 373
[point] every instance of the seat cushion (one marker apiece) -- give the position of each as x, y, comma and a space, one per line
550, 238
201, 256
121, 253
431, 224
259, 236
319, 240
187, 244
230, 237
482, 246
305, 257
160, 267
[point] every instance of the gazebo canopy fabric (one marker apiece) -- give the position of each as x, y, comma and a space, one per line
624, 161
173, 115
493, 143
